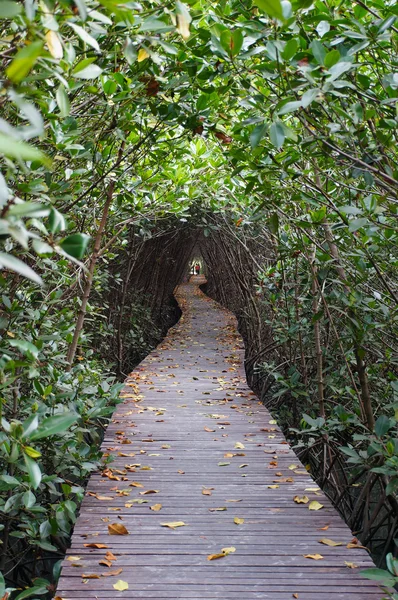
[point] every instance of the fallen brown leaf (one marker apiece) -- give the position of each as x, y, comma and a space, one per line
112, 573
117, 529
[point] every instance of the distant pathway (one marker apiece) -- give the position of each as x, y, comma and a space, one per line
193, 447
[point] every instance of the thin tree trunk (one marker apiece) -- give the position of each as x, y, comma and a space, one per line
94, 257
317, 338
358, 350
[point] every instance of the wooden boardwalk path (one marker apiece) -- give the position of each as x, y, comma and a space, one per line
191, 444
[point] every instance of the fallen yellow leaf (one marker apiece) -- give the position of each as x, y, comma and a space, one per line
302, 500
313, 556
156, 507
239, 446
292, 467
99, 497
173, 524
273, 487
328, 542
149, 492
351, 545
315, 505
238, 521
120, 585
224, 552
228, 550
350, 565
215, 556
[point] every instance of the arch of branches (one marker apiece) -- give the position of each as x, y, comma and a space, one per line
259, 136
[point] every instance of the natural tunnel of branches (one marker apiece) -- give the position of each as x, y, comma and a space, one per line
282, 360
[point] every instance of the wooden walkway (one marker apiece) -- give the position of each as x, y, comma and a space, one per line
198, 466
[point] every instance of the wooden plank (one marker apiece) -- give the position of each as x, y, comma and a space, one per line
188, 423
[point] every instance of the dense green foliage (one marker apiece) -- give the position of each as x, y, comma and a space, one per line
266, 129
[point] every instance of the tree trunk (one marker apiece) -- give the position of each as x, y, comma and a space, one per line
91, 269
317, 338
358, 350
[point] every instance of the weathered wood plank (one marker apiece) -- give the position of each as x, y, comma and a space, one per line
191, 429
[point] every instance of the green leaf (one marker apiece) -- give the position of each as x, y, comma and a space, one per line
42, 248
319, 51
277, 134
383, 425
156, 25
24, 61
75, 244
28, 499
53, 425
257, 134
379, 575
56, 221
9, 480
90, 71
331, 58
8, 10
317, 216
25, 347
2, 585
7, 261
350, 210
356, 224
273, 223
309, 96
273, 8
32, 591
231, 41
84, 36
323, 28
289, 107
63, 101
13, 148
28, 209
290, 49
33, 471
